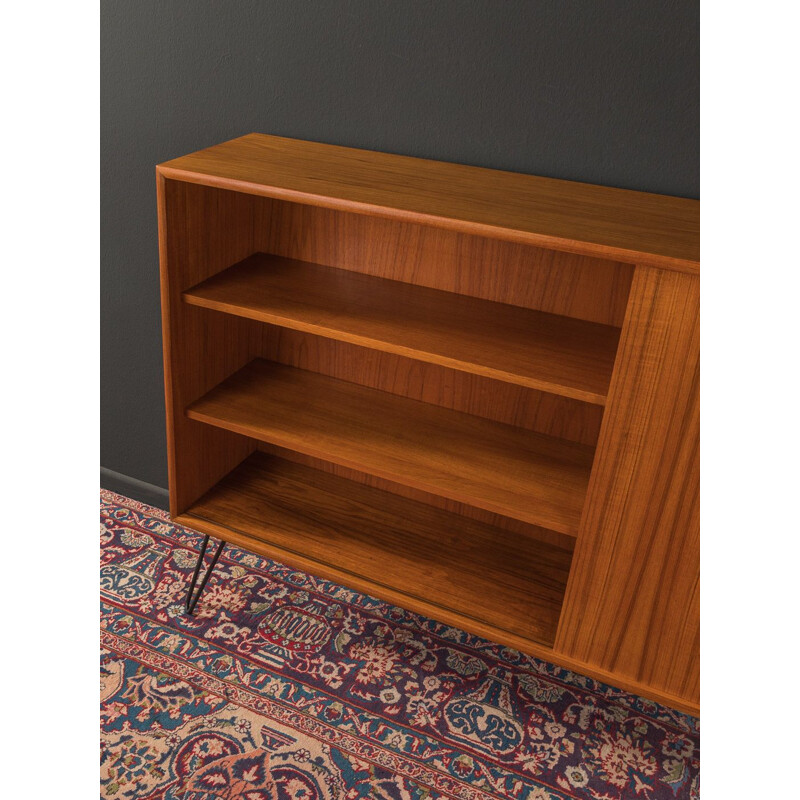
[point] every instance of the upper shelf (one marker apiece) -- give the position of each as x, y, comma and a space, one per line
551, 353
623, 225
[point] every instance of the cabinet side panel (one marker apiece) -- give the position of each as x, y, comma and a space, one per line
201, 232
583, 287
632, 602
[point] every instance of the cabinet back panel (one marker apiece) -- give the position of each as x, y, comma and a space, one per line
515, 405
513, 526
586, 288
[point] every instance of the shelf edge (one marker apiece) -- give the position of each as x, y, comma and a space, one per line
567, 530
336, 334
545, 241
381, 591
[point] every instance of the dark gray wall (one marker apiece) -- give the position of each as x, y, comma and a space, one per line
605, 92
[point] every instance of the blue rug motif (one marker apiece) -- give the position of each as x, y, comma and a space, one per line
283, 685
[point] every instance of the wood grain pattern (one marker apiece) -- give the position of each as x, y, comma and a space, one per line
567, 357
591, 289
513, 527
240, 510
201, 231
623, 225
349, 533
461, 391
632, 604
480, 484
506, 470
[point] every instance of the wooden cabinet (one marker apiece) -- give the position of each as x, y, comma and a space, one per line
469, 392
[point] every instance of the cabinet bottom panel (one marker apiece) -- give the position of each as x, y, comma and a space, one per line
452, 568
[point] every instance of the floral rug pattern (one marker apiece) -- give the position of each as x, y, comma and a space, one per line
283, 686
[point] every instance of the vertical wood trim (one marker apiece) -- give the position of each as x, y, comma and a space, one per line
632, 601
166, 337
201, 232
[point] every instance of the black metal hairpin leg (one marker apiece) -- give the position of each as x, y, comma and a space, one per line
191, 601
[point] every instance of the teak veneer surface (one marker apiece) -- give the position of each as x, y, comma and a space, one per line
629, 226
632, 605
511, 471
201, 232
568, 284
512, 527
555, 354
477, 509
501, 401
378, 542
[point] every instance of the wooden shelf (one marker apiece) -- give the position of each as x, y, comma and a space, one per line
423, 558
564, 356
635, 227
458, 258
497, 467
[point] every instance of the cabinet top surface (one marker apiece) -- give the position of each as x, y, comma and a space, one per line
619, 224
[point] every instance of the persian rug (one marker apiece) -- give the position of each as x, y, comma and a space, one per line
285, 686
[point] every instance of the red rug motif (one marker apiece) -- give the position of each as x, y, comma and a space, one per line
284, 686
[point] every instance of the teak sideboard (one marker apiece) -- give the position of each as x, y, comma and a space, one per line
468, 392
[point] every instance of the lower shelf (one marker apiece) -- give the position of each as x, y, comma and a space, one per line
518, 473
440, 564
